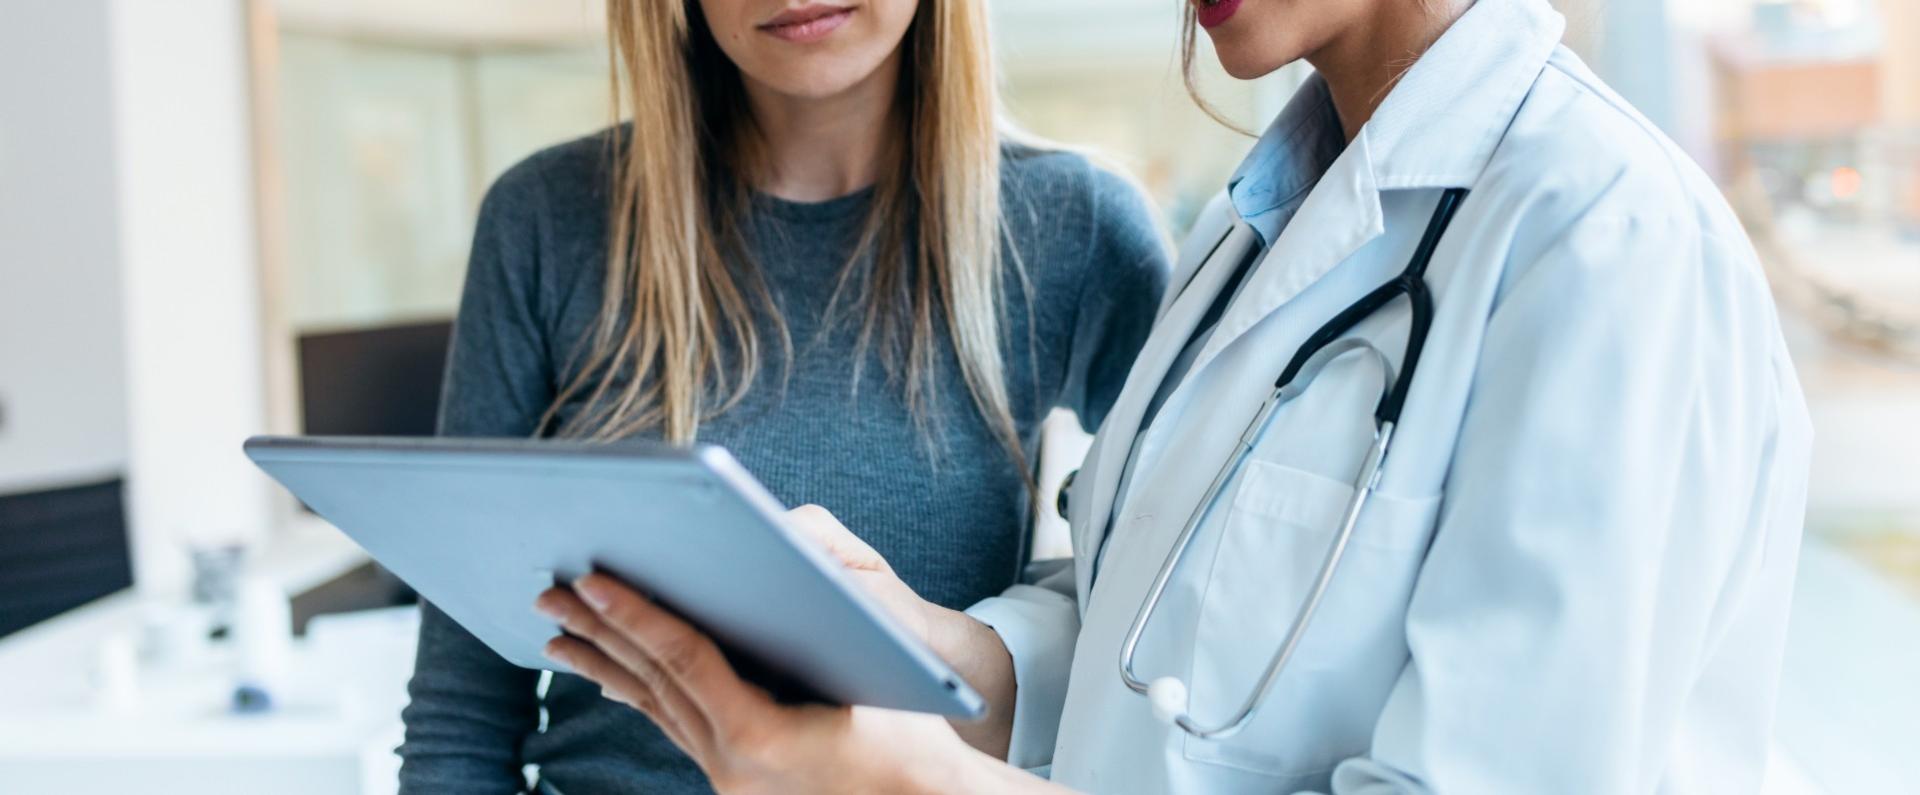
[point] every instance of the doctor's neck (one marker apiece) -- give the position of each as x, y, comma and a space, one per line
1365, 58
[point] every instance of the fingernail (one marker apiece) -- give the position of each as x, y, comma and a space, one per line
608, 694
551, 611
558, 654
593, 592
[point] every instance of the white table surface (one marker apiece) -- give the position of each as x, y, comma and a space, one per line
333, 730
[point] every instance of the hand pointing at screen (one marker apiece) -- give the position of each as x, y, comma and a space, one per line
647, 658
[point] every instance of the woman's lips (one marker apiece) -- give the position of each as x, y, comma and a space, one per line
810, 23
1214, 13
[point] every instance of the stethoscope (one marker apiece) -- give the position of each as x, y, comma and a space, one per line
1168, 694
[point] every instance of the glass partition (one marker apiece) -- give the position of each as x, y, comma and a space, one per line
388, 147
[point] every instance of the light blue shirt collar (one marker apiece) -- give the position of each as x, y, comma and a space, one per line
1287, 161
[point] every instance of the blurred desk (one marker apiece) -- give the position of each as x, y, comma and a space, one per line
333, 730
1849, 706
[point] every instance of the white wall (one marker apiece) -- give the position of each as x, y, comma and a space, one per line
196, 371
62, 362
129, 302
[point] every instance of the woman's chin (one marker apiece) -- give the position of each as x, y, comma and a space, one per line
1243, 60
814, 77
810, 87
1247, 68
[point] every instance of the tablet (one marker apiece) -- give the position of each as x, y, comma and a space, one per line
481, 527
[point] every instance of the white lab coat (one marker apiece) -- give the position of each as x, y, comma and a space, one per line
1575, 575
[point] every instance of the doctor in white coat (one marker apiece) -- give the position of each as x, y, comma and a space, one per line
1572, 573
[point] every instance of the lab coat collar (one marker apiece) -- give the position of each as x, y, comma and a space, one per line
1341, 213
1438, 128
1300, 145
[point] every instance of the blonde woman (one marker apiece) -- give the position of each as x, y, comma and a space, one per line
810, 245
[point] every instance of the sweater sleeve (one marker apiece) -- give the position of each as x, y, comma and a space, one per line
470, 710
1125, 273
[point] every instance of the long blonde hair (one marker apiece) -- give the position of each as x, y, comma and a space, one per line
657, 358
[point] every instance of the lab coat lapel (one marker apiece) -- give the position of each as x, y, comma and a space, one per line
1340, 215
1215, 247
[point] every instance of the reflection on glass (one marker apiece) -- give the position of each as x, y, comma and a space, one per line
388, 149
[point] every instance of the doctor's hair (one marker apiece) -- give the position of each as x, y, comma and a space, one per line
1189, 44
674, 342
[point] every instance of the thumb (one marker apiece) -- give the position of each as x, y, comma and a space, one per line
820, 525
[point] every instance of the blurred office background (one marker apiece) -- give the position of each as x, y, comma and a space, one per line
225, 217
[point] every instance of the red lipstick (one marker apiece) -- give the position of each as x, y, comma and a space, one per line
810, 23
1214, 13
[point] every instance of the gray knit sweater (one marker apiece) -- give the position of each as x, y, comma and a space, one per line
941, 500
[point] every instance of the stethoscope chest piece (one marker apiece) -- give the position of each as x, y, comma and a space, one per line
1168, 695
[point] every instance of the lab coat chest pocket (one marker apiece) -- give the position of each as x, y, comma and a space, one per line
1323, 708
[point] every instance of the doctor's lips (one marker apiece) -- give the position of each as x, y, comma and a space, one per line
810, 23
1214, 13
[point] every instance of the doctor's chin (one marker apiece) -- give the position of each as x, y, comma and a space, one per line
1109, 396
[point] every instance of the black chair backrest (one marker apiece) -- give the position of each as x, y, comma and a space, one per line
60, 549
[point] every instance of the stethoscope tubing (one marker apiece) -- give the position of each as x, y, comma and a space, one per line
1168, 694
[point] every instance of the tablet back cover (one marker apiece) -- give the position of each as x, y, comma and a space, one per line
480, 528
